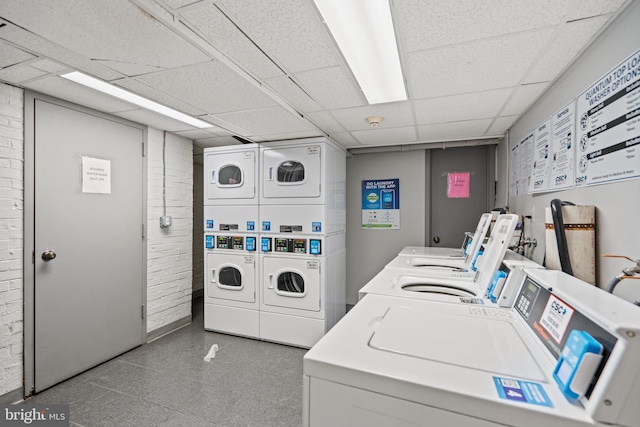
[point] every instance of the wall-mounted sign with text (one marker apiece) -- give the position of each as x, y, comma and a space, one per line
381, 204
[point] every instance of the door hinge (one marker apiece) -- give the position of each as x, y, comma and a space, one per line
143, 149
143, 231
33, 257
142, 311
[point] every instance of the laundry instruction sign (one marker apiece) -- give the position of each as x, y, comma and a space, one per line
381, 204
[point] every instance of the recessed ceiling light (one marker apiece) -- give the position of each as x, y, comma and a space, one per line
138, 100
363, 30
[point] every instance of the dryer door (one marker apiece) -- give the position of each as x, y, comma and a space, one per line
230, 175
292, 283
292, 172
231, 276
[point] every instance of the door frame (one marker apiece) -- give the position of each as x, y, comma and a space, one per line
491, 183
30, 98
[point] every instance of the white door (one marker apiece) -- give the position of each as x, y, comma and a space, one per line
88, 258
292, 172
231, 176
231, 276
291, 283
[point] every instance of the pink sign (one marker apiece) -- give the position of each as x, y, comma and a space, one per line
458, 185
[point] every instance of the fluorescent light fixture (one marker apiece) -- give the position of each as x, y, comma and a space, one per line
112, 90
363, 30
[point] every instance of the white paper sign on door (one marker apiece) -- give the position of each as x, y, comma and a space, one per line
96, 175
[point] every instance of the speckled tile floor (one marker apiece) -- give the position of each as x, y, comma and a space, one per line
167, 383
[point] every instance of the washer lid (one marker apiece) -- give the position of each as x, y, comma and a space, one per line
482, 343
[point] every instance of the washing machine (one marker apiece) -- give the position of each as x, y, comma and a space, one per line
488, 257
231, 290
565, 355
499, 289
303, 287
470, 244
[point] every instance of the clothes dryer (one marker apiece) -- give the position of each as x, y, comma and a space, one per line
231, 175
231, 291
303, 290
400, 361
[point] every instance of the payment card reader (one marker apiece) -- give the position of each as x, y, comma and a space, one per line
577, 364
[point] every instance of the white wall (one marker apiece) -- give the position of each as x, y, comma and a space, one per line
618, 204
368, 251
169, 264
11, 237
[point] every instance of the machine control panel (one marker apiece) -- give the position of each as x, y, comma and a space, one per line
298, 246
230, 242
265, 244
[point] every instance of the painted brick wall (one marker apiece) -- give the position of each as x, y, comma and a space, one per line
11, 237
169, 250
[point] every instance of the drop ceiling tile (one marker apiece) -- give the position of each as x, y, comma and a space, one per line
49, 66
432, 23
332, 87
20, 73
468, 106
154, 120
523, 97
226, 126
116, 31
176, 4
345, 139
266, 121
452, 131
476, 66
501, 124
78, 94
579, 9
382, 136
396, 115
292, 93
325, 121
564, 49
158, 96
46, 48
12, 55
289, 32
210, 86
225, 36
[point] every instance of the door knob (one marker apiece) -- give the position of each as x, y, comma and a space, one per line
436, 239
48, 255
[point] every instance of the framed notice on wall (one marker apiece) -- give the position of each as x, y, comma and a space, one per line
381, 204
608, 134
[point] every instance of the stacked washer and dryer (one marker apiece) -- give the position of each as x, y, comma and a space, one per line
296, 217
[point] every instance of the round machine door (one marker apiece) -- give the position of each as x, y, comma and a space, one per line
292, 172
231, 277
230, 176
292, 283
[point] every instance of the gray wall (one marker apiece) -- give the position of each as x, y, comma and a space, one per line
618, 204
368, 251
